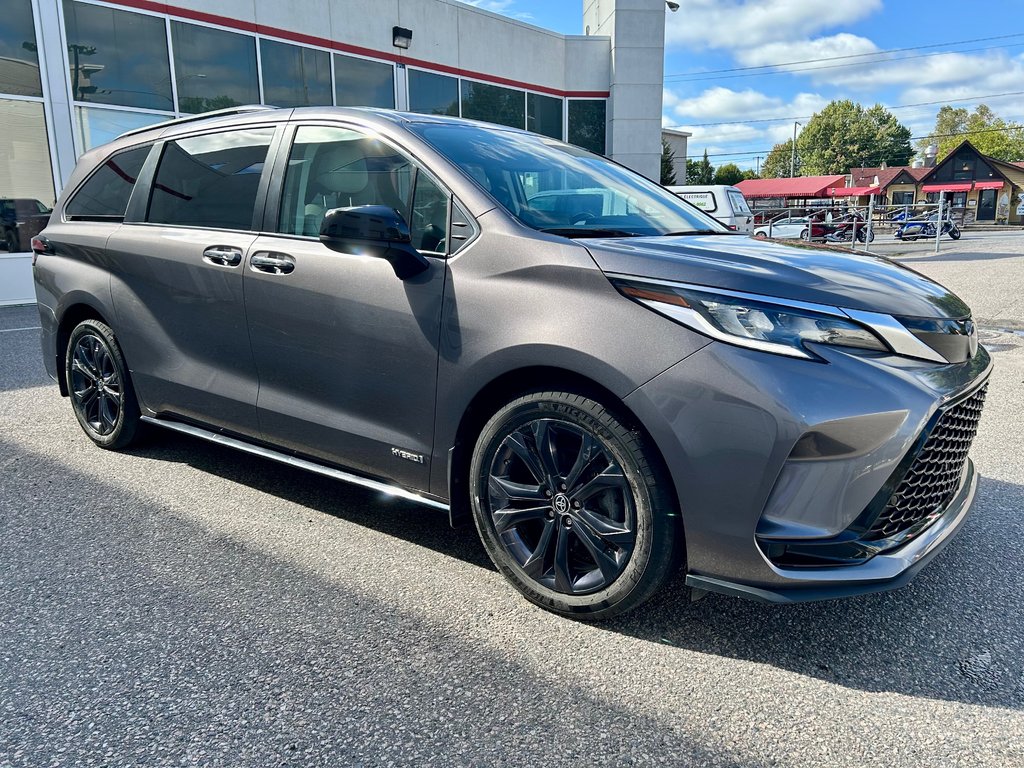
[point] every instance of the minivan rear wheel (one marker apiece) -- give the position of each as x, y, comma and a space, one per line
101, 391
572, 506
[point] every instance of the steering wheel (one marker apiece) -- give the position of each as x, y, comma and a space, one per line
582, 217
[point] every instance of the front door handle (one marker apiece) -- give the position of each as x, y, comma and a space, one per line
223, 256
272, 263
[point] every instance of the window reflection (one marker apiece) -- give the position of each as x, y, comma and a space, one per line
544, 115
117, 57
363, 83
494, 104
97, 126
19, 60
25, 177
587, 124
214, 69
294, 76
433, 94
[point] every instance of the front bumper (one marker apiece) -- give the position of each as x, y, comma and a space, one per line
757, 442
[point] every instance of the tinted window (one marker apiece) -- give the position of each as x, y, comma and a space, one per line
106, 193
118, 57
493, 104
294, 76
429, 224
587, 124
19, 62
214, 69
433, 94
363, 83
544, 115
211, 180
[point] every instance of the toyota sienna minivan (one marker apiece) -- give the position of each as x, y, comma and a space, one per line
608, 382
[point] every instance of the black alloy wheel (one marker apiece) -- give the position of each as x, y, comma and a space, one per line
570, 506
101, 393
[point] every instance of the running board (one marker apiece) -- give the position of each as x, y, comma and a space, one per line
295, 461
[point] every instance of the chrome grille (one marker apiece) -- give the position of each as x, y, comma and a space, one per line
934, 477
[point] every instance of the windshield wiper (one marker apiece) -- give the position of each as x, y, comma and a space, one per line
588, 232
698, 232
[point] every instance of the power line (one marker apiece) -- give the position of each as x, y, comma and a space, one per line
848, 56
899, 106
840, 66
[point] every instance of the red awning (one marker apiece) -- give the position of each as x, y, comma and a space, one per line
988, 185
799, 187
852, 191
956, 186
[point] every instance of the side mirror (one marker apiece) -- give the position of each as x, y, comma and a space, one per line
373, 230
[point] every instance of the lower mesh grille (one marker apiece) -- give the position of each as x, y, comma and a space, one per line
934, 477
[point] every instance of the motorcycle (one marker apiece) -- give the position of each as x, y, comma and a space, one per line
915, 229
842, 230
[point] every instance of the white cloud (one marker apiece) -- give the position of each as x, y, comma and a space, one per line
739, 25
806, 50
503, 7
720, 103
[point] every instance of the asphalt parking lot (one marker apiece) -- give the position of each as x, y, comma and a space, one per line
181, 604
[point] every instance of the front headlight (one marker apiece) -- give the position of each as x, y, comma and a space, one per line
784, 329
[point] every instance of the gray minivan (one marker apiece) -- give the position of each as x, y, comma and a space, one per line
456, 313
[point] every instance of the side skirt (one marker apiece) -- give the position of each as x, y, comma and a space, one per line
295, 461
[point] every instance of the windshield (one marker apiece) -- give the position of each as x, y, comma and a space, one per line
559, 188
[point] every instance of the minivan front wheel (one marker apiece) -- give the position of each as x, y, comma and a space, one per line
101, 391
572, 506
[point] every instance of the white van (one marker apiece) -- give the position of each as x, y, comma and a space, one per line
724, 203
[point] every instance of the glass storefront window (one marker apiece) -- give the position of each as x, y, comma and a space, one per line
95, 126
363, 83
25, 176
544, 115
587, 124
294, 76
493, 104
214, 69
118, 57
432, 94
19, 59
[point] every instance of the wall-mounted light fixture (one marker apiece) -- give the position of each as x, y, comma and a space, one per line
672, 6
401, 37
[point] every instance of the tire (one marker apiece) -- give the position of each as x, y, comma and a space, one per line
587, 529
760, 235
805, 235
954, 232
100, 387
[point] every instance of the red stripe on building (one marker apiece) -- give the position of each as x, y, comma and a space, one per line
323, 42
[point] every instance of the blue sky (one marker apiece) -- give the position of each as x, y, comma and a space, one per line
708, 35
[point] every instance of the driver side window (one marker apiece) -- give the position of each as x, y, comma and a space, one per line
342, 168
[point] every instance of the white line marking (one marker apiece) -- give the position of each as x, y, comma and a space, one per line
12, 330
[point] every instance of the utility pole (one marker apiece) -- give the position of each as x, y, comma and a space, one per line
792, 159
757, 170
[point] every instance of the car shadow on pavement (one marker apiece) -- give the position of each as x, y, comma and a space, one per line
956, 632
955, 256
405, 520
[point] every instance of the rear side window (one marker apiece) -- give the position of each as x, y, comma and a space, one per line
105, 194
211, 180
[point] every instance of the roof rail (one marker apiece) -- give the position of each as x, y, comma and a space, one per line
240, 110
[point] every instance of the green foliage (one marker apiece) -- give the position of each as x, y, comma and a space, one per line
844, 135
750, 173
668, 159
728, 174
776, 165
990, 134
198, 104
700, 171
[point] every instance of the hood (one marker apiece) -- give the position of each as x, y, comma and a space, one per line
818, 276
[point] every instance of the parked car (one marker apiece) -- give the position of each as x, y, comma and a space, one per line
373, 296
21, 220
791, 228
725, 203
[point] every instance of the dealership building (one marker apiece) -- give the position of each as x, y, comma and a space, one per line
76, 73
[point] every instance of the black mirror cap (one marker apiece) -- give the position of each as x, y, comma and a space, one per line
373, 230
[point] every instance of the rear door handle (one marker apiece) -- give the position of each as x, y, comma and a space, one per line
272, 263
223, 256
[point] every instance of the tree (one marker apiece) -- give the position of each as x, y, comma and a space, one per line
668, 160
844, 135
990, 134
728, 174
700, 171
750, 173
776, 164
